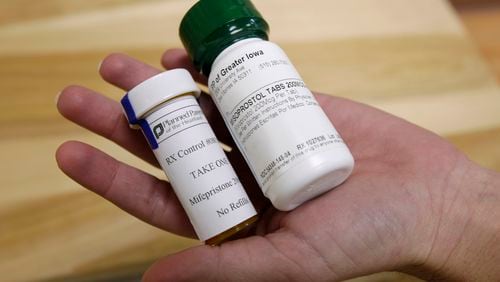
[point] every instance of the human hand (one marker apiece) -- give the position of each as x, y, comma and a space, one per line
413, 203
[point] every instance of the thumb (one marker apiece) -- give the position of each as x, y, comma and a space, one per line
270, 258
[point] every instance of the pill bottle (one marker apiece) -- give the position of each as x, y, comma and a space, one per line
165, 108
292, 148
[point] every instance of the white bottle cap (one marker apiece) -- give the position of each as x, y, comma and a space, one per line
153, 92
156, 90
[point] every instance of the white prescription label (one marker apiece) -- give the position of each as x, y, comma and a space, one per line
272, 115
199, 171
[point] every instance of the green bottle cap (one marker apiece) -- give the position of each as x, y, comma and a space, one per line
211, 26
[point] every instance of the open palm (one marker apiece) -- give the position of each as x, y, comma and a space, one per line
386, 216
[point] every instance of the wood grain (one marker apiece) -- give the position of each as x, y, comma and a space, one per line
411, 58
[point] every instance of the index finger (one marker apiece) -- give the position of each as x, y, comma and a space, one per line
126, 72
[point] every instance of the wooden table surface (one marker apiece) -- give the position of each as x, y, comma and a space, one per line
413, 58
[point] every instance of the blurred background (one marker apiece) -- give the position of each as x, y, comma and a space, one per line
432, 62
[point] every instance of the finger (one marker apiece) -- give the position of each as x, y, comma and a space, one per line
103, 116
252, 259
178, 58
134, 191
126, 72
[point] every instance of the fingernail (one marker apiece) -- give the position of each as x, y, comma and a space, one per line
99, 66
57, 97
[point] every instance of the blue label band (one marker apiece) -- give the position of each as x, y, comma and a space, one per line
148, 133
132, 119
129, 110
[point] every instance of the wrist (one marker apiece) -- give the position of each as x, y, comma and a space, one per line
466, 242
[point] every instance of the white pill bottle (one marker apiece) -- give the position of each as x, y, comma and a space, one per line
165, 108
292, 148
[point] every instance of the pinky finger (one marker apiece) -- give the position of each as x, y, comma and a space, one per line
138, 193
